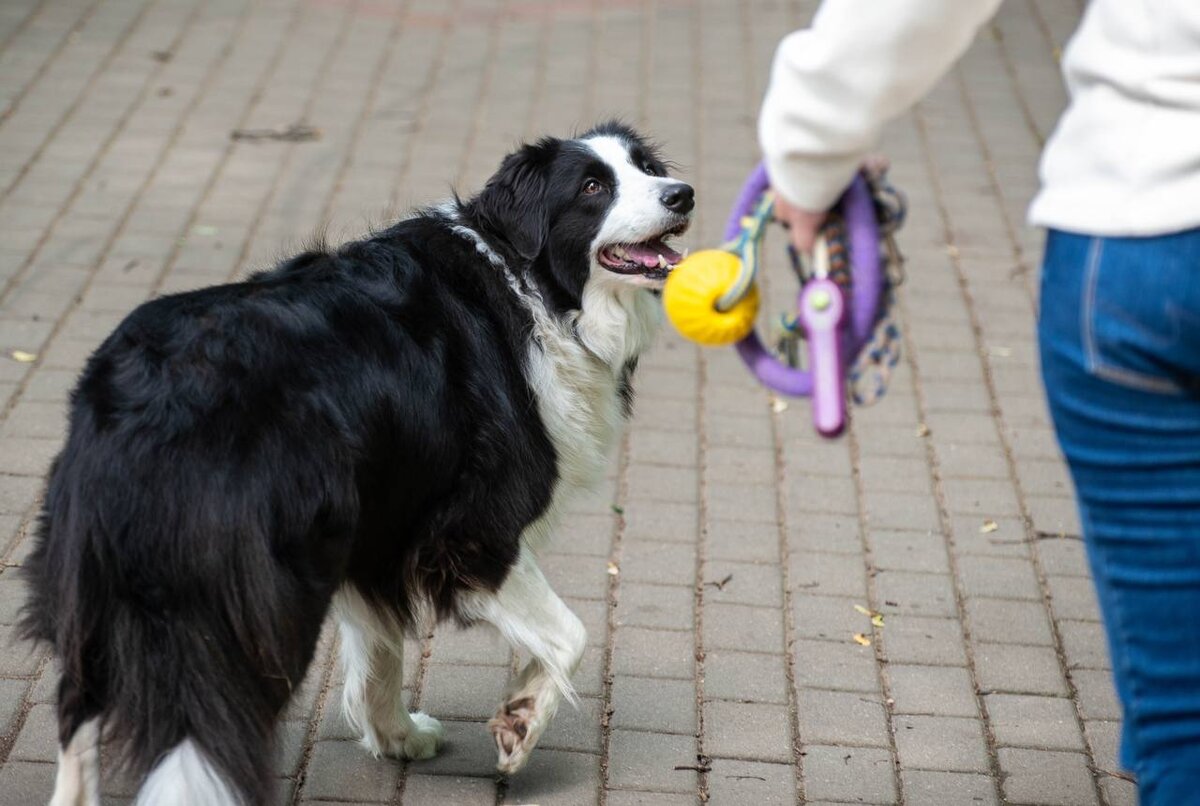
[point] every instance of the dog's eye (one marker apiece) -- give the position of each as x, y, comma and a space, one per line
648, 168
592, 186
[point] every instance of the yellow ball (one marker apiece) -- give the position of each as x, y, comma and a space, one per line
691, 294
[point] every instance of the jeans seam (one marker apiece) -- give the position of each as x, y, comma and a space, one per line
1095, 364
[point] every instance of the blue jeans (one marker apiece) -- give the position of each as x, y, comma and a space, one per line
1120, 341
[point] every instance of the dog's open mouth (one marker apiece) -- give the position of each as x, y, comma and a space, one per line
652, 258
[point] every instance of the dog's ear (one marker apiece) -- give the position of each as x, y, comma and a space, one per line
513, 205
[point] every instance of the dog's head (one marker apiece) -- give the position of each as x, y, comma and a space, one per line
599, 207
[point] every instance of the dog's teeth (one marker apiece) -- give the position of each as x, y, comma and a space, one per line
685, 252
662, 262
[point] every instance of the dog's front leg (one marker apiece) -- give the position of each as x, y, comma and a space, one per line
535, 620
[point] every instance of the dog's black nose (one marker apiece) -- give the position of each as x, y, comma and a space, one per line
679, 198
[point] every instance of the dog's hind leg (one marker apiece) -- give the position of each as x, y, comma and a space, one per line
372, 655
77, 782
535, 620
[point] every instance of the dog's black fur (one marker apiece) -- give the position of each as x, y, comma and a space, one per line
236, 453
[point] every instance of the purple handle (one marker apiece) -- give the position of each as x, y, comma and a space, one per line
822, 310
858, 211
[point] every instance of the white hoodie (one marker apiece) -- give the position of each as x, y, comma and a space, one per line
1124, 159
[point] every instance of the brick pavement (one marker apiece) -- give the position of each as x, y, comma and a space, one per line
743, 543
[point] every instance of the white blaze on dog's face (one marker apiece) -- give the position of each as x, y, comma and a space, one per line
646, 208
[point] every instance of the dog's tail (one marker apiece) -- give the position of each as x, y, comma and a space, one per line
186, 777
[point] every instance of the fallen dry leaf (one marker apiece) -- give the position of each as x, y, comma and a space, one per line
923, 430
877, 619
613, 570
23, 357
861, 639
988, 527
779, 405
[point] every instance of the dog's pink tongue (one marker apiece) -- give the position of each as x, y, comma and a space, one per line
647, 253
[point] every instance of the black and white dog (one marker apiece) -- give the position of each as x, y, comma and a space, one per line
387, 430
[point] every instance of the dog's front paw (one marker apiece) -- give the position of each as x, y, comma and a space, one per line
424, 740
516, 727
421, 741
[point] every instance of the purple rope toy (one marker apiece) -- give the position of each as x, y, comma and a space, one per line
822, 309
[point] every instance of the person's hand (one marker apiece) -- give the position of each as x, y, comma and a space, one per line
803, 225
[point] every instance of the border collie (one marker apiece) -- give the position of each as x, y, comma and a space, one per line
386, 431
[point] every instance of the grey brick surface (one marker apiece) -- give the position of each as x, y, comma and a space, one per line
941, 743
748, 730
1031, 721
654, 704
732, 675
935, 788
112, 192
934, 690
1046, 777
1019, 669
640, 760
849, 774
839, 717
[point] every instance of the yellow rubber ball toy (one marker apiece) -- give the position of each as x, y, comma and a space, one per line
691, 294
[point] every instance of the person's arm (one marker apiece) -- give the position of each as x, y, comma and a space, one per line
834, 85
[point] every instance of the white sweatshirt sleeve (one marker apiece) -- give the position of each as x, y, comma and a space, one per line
834, 85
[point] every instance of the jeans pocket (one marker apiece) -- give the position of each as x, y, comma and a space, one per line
1130, 331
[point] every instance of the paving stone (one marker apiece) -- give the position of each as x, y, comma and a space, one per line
38, 740
733, 783
731, 626
1096, 694
673, 448
1006, 621
843, 666
828, 617
743, 583
1064, 557
654, 653
1073, 598
910, 593
654, 704
583, 577
998, 577
930, 641
923, 552
341, 769
1104, 740
1085, 645
836, 717
657, 562
743, 541
638, 760
656, 606
974, 536
1118, 792
748, 730
24, 782
745, 676
575, 727
620, 797
663, 483
670, 522
463, 692
941, 743
557, 778
830, 574
469, 750
935, 690
1046, 777
454, 789
901, 511
849, 774
1031, 721
937, 788
825, 533
1019, 669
